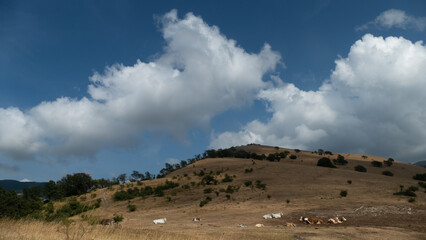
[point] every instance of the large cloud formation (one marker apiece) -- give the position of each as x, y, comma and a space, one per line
200, 74
374, 102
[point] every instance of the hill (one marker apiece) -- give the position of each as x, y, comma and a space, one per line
421, 163
17, 186
225, 192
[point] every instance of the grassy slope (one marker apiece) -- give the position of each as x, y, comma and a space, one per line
370, 207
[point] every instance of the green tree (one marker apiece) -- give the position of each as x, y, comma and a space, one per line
52, 191
75, 184
122, 178
137, 176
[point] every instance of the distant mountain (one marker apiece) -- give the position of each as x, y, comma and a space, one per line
421, 163
17, 186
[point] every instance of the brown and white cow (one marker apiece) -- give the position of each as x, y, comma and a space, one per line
311, 220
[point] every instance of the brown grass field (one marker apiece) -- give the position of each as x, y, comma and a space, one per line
295, 187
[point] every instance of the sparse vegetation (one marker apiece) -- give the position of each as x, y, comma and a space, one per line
248, 170
343, 193
293, 156
349, 181
208, 190
410, 200
227, 178
360, 168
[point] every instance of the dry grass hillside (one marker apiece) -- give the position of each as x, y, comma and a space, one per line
297, 187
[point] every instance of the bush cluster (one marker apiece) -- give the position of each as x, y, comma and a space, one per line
325, 162
144, 191
407, 192
340, 160
420, 177
360, 168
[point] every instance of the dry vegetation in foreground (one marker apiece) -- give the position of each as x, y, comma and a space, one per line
37, 230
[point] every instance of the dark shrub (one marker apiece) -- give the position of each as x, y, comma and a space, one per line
360, 168
118, 218
407, 192
122, 196
208, 190
420, 177
284, 154
340, 160
388, 162
248, 170
205, 201
260, 185
410, 200
208, 180
131, 207
248, 183
297, 150
343, 193
293, 156
349, 181
227, 178
376, 164
325, 162
387, 173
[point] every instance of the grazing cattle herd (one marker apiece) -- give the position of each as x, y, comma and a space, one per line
307, 220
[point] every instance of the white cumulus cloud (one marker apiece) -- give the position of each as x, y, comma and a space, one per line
396, 18
373, 102
200, 74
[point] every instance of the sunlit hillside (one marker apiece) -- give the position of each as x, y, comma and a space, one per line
226, 192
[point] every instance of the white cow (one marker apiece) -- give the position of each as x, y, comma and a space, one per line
160, 220
277, 215
267, 216
196, 219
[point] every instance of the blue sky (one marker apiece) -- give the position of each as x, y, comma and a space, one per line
347, 76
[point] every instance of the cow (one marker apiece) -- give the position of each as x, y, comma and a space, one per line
332, 220
277, 215
311, 220
259, 225
242, 225
337, 220
290, 224
267, 216
106, 221
160, 220
196, 219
